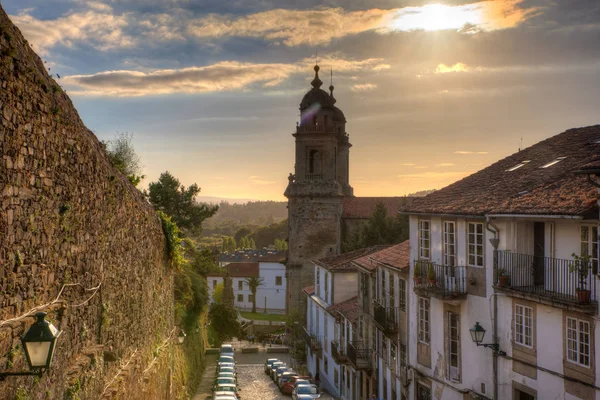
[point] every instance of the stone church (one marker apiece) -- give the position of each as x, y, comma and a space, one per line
321, 202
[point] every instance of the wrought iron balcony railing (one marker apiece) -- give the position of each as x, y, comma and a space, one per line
569, 281
360, 356
386, 318
440, 280
337, 352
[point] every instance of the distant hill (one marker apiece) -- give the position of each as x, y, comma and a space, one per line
217, 200
259, 213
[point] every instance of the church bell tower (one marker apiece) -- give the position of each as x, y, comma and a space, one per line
316, 189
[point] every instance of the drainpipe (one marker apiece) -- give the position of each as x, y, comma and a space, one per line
495, 241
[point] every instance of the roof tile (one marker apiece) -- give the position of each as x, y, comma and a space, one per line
397, 257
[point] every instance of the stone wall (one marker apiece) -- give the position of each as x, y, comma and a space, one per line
68, 217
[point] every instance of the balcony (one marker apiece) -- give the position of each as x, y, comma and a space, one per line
547, 280
386, 318
315, 129
440, 281
337, 352
359, 356
365, 304
312, 341
313, 177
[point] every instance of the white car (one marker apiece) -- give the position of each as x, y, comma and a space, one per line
227, 349
305, 392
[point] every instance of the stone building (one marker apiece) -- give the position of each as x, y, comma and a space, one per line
321, 202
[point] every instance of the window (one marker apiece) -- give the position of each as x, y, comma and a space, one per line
382, 294
240, 285
336, 378
402, 294
423, 392
278, 280
393, 352
250, 298
475, 244
578, 341
524, 325
240, 298
453, 347
326, 286
318, 281
423, 320
449, 250
326, 365
402, 355
325, 333
551, 163
519, 165
424, 238
590, 244
214, 283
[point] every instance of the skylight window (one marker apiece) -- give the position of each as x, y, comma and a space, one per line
519, 165
551, 163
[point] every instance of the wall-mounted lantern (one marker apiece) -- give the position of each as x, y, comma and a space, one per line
38, 344
477, 333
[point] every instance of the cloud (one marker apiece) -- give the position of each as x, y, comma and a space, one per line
409, 164
434, 177
470, 152
381, 67
100, 26
458, 67
222, 76
364, 87
444, 165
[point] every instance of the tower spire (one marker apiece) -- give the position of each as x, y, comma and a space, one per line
316, 83
331, 87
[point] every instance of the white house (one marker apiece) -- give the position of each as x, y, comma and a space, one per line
331, 309
494, 251
270, 296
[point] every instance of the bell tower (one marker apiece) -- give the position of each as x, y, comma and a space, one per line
316, 189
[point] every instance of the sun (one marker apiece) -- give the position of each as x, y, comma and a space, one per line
435, 17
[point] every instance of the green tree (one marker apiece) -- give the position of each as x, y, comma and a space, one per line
123, 156
253, 284
252, 244
177, 201
281, 245
217, 294
223, 319
242, 232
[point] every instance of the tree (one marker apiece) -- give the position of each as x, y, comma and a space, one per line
254, 283
281, 245
177, 201
217, 294
242, 232
123, 156
223, 319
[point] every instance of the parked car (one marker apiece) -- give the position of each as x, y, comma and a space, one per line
221, 380
306, 392
227, 388
274, 367
285, 375
224, 396
227, 369
227, 349
300, 382
278, 371
268, 364
225, 358
287, 387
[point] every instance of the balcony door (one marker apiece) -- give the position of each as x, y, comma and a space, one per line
539, 252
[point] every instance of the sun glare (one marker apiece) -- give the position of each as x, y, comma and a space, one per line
484, 15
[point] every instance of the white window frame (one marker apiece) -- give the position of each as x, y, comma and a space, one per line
524, 325
475, 241
588, 246
453, 336
449, 244
402, 295
424, 239
280, 281
424, 321
240, 296
240, 285
579, 342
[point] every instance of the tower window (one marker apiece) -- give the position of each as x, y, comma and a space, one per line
314, 162
315, 121
325, 118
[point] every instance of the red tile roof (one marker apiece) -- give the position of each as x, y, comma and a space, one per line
309, 290
363, 207
242, 270
348, 308
530, 189
397, 257
343, 261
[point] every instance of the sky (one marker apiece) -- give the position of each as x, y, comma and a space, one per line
432, 91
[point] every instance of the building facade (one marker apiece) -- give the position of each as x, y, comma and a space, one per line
512, 250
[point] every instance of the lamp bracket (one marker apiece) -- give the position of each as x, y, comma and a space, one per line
35, 372
494, 346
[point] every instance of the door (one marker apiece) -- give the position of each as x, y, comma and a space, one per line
539, 251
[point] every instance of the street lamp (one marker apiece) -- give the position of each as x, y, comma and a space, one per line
477, 333
38, 344
181, 336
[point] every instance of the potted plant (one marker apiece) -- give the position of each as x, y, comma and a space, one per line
431, 275
503, 278
581, 265
418, 278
